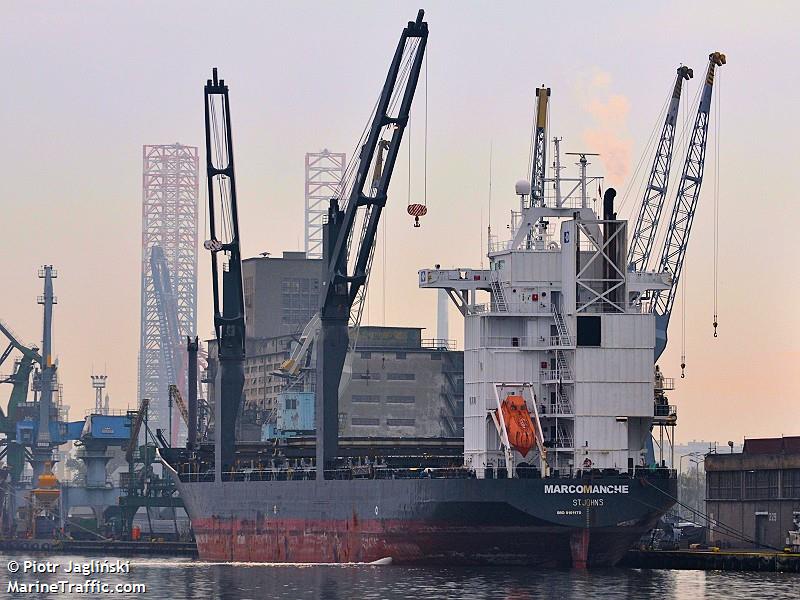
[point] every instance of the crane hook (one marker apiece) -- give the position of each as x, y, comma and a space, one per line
416, 224
683, 367
715, 325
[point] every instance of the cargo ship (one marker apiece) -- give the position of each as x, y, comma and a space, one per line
555, 469
566, 420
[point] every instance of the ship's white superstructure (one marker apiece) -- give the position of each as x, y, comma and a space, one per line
559, 321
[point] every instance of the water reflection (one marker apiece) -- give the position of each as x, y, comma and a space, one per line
174, 579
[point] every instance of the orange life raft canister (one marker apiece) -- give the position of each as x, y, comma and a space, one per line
519, 425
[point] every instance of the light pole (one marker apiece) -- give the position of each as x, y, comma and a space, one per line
697, 463
691, 455
680, 460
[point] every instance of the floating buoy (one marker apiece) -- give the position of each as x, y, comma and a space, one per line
417, 211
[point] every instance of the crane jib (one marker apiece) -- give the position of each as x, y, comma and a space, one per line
683, 211
336, 300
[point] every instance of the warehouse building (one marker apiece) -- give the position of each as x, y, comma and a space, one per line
755, 493
401, 385
280, 294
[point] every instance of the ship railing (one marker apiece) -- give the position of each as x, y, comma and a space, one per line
438, 344
540, 243
665, 384
528, 308
665, 410
538, 342
511, 342
559, 408
554, 375
497, 245
344, 473
562, 340
111, 412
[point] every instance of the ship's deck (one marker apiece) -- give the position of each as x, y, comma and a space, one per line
360, 458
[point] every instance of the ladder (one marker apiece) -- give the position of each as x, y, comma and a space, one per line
562, 367
498, 295
564, 338
564, 407
563, 438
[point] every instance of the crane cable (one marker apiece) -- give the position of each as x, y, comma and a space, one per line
716, 204
685, 265
683, 323
637, 181
425, 141
415, 209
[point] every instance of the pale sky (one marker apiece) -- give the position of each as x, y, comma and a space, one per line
88, 83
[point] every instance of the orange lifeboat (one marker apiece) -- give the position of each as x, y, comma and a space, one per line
519, 425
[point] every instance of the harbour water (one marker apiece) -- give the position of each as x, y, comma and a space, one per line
184, 578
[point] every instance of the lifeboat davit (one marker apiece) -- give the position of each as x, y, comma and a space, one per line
519, 425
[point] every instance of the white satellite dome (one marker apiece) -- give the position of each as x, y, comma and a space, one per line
523, 187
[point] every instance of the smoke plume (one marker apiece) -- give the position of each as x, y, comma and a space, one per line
609, 134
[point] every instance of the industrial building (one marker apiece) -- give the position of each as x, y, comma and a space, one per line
280, 294
401, 385
753, 497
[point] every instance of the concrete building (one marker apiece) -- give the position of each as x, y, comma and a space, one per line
280, 294
402, 385
755, 492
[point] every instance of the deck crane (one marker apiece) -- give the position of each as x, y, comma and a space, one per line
223, 215
345, 269
172, 351
14, 453
644, 233
680, 225
539, 159
535, 195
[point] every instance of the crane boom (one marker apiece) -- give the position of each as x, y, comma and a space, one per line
644, 233
167, 308
229, 322
340, 284
683, 212
14, 343
539, 158
20, 381
175, 392
136, 427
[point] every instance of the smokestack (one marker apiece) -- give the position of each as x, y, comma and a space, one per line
612, 249
442, 325
191, 437
608, 205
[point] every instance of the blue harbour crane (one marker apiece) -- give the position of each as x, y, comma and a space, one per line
673, 253
644, 233
13, 452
